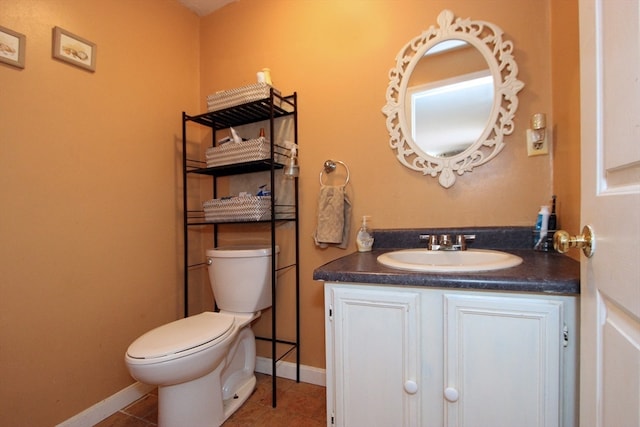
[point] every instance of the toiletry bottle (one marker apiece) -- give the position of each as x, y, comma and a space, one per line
364, 239
267, 76
553, 219
542, 224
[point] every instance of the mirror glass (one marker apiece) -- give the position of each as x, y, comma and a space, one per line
449, 98
452, 98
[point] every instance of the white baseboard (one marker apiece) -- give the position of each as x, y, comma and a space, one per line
108, 406
126, 396
308, 374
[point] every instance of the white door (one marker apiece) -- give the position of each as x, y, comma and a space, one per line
610, 280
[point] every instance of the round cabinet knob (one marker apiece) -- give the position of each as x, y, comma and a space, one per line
411, 387
451, 394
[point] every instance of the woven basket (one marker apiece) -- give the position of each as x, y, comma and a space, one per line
245, 151
246, 208
238, 96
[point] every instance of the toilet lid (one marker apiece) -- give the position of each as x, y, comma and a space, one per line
180, 335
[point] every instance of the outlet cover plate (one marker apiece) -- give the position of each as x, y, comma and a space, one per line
537, 148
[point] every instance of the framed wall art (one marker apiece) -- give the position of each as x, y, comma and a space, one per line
74, 49
12, 47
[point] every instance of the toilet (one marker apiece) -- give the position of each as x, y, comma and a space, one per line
204, 364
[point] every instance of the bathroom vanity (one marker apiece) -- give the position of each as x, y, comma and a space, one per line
494, 348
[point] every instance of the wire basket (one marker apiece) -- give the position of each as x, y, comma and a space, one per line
245, 151
245, 208
238, 96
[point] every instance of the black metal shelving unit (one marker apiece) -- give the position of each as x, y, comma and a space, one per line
272, 108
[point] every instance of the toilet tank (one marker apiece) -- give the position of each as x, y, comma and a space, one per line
240, 277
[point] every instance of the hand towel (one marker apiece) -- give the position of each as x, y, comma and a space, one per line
334, 214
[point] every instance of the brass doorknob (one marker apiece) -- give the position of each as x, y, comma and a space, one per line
562, 241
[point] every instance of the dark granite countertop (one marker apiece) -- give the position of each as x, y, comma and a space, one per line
540, 272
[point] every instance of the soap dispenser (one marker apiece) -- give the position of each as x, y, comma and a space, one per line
364, 239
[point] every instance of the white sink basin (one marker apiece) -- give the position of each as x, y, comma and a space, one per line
449, 261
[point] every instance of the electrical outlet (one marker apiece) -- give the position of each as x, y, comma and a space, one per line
535, 145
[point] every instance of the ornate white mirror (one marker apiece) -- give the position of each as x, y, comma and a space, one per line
452, 97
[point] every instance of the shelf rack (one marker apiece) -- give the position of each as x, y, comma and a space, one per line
271, 108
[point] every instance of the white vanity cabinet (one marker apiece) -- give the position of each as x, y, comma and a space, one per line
417, 356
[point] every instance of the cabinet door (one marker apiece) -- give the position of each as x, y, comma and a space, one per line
502, 361
372, 357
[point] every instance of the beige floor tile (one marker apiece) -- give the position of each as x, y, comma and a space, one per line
298, 405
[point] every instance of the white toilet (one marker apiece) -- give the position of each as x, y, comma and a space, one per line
204, 365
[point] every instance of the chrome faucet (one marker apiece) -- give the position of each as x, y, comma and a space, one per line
445, 242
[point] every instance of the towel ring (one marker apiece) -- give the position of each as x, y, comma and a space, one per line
330, 166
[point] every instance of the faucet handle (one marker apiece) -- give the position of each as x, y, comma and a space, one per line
432, 240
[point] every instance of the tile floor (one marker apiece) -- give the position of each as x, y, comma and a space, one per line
299, 405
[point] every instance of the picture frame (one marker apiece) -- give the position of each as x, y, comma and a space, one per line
76, 50
12, 47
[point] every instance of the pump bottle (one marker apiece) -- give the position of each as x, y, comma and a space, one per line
364, 238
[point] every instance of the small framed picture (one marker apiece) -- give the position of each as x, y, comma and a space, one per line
74, 49
12, 47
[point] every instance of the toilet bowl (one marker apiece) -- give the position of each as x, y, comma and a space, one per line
204, 364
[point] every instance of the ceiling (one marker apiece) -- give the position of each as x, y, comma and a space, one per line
205, 7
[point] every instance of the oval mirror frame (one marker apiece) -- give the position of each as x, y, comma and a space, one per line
487, 38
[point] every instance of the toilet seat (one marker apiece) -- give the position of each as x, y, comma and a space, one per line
181, 337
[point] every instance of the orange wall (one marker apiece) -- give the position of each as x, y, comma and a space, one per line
89, 188
91, 252
565, 60
337, 54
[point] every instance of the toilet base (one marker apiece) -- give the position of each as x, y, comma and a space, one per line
209, 400
182, 404
242, 394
